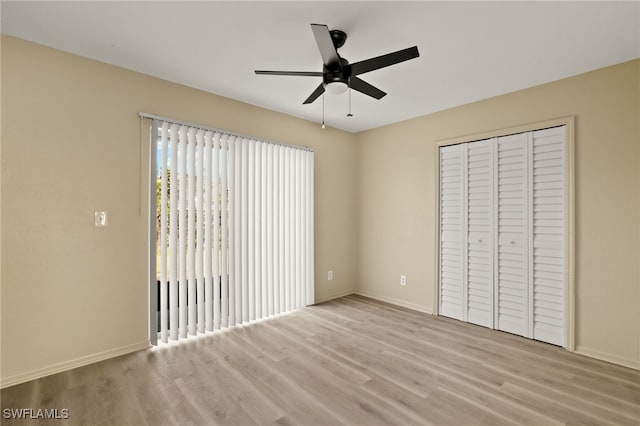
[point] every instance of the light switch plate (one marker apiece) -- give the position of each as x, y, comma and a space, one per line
101, 219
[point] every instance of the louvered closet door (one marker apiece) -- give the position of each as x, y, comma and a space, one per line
511, 307
480, 232
548, 280
452, 230
503, 233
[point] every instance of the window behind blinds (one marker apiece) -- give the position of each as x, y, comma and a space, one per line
234, 229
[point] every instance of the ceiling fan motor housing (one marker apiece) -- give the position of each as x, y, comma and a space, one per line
336, 73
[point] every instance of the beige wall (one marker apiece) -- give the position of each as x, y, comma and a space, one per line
396, 195
71, 292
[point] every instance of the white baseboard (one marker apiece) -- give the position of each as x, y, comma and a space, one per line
334, 296
412, 306
625, 362
68, 365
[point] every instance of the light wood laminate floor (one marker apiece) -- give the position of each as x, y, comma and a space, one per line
350, 361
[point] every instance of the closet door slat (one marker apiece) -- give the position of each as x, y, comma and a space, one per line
479, 219
452, 231
549, 227
512, 299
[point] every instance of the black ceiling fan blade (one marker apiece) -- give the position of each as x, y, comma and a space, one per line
325, 45
295, 73
366, 88
316, 93
384, 60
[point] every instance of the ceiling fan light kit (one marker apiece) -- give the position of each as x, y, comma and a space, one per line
336, 87
337, 74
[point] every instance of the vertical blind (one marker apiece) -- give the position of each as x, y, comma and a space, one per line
234, 229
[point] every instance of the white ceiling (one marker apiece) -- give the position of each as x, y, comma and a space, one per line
468, 50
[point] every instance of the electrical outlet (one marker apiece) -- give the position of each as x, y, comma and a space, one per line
330, 275
403, 280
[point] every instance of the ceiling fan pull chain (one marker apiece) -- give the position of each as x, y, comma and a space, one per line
323, 111
349, 115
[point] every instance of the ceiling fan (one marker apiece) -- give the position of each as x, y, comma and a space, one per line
337, 74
